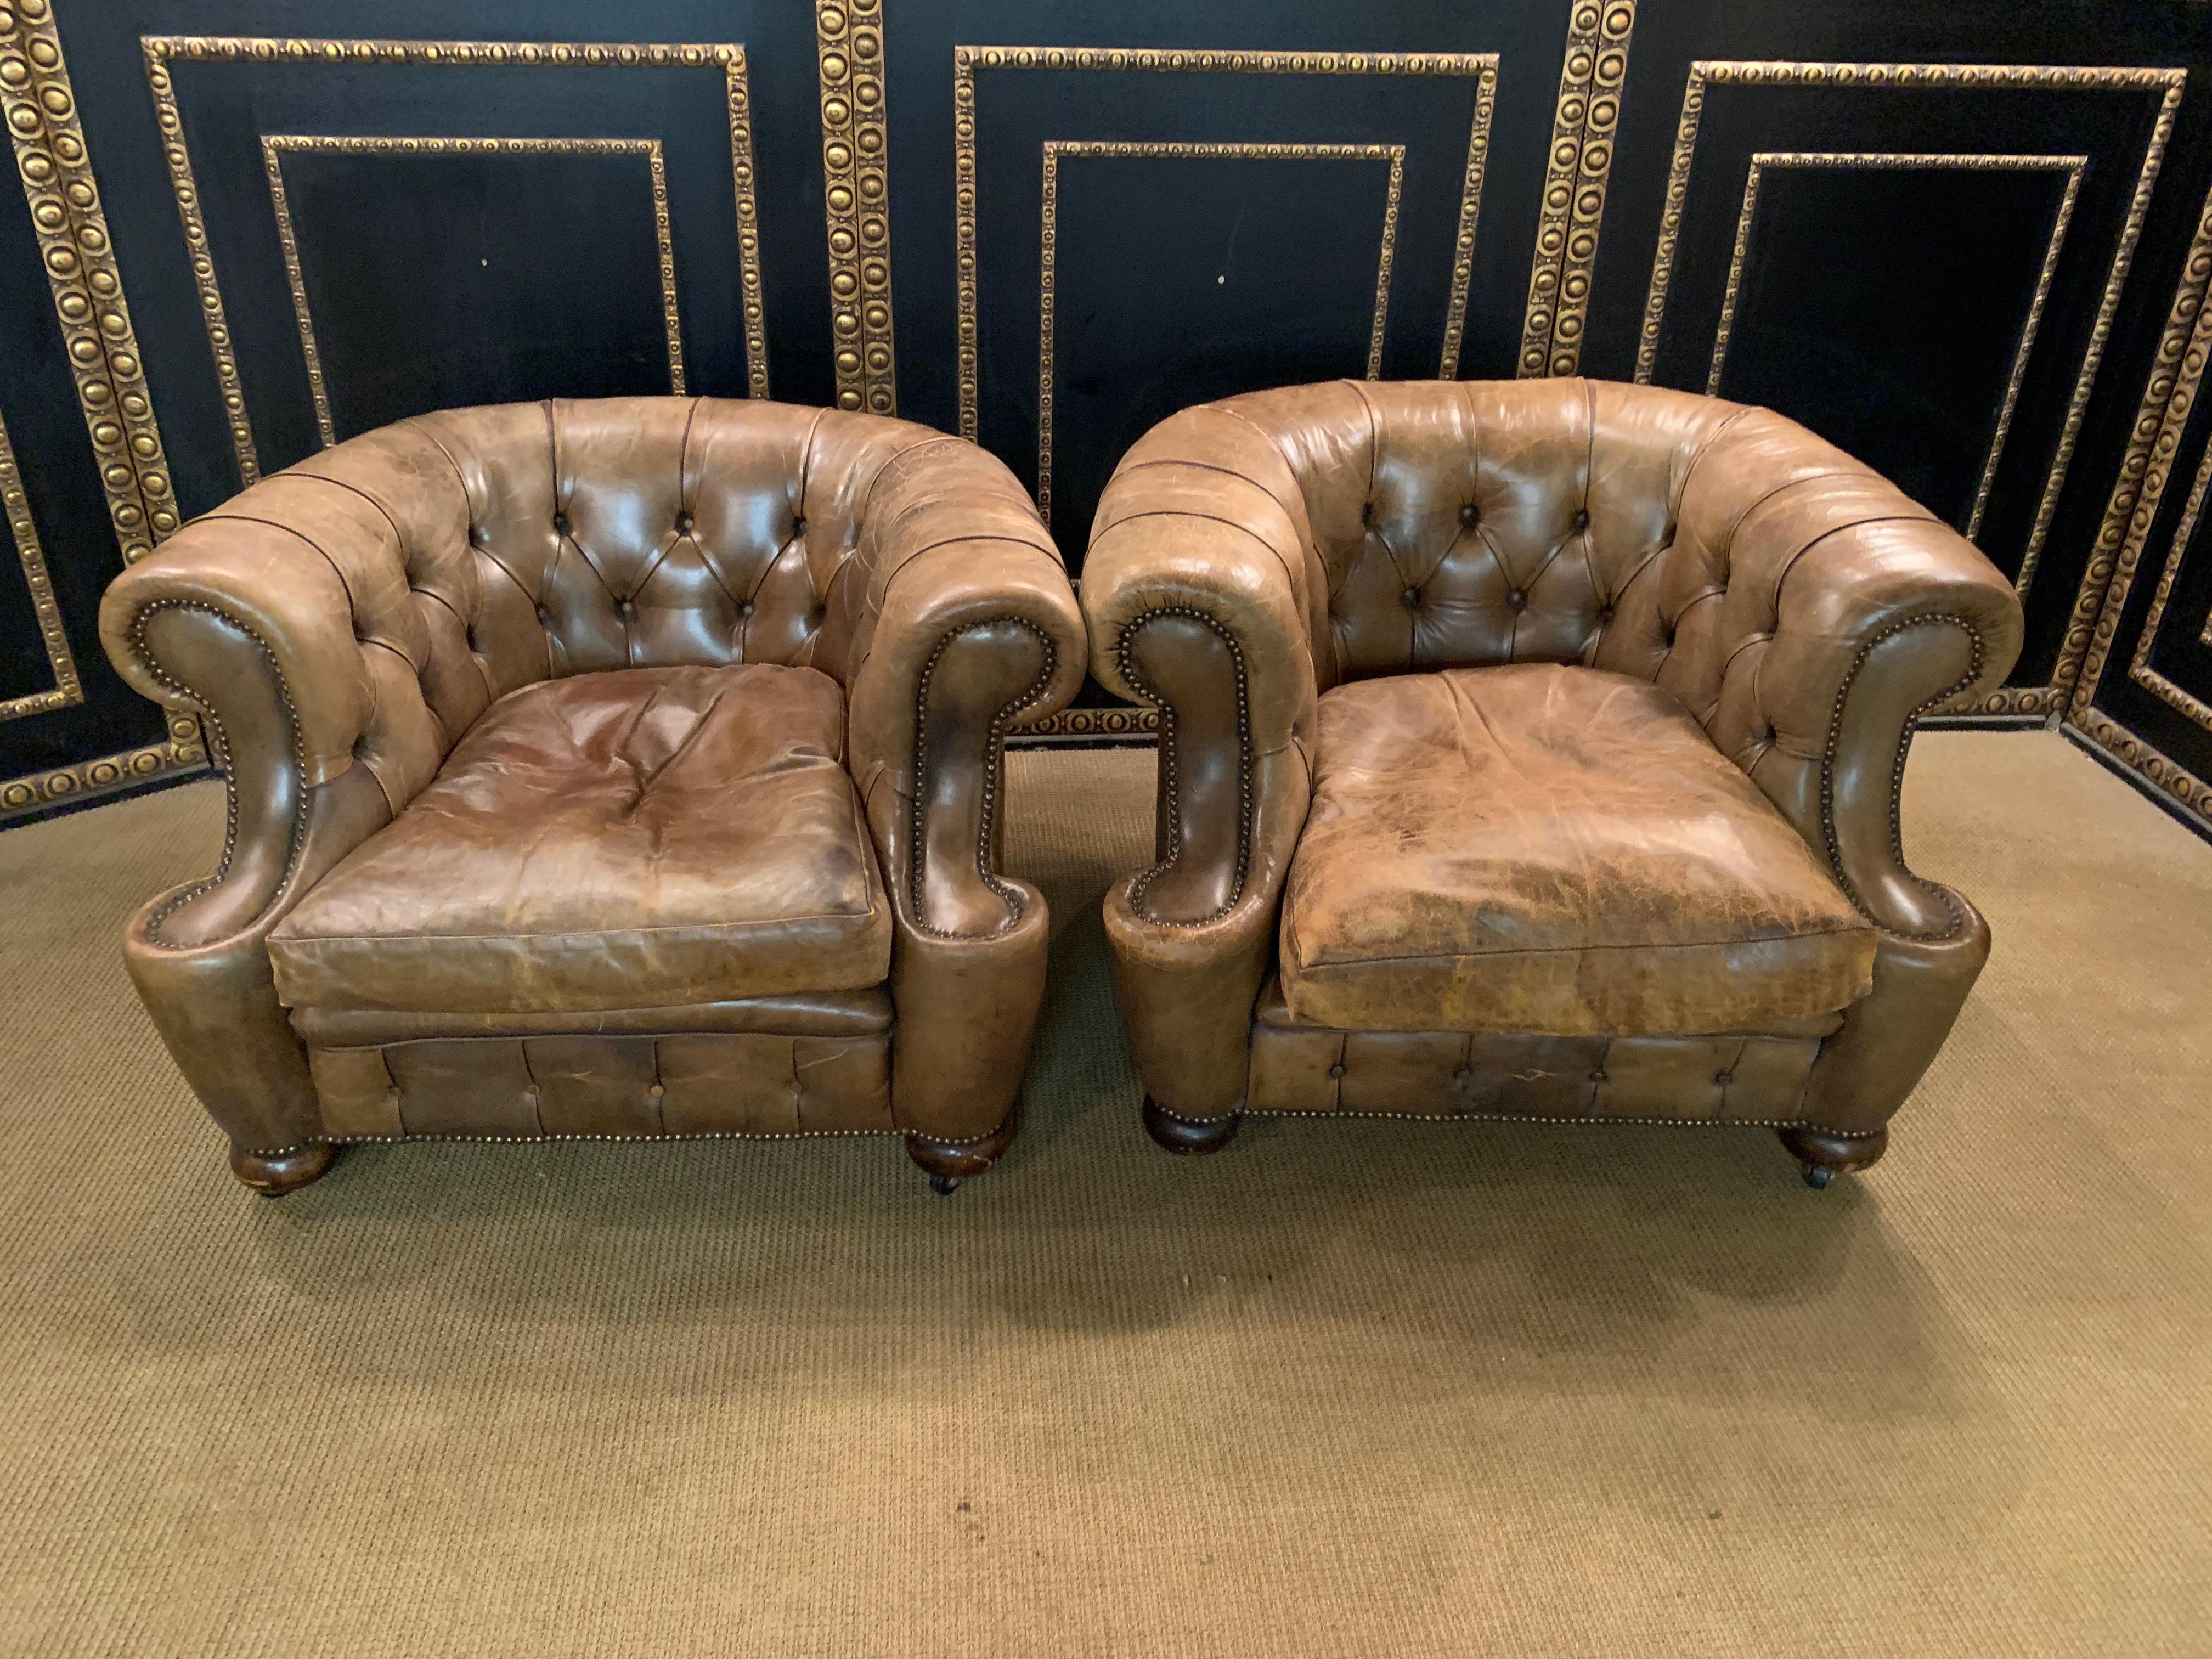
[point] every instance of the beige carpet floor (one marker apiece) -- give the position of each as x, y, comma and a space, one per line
1352, 1388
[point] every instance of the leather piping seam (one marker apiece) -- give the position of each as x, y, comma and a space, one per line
1935, 890
1534, 1117
695, 1134
1169, 792
221, 745
994, 749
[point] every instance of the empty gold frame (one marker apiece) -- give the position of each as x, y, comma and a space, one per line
1056, 150
161, 51
16, 507
276, 146
2139, 667
1706, 72
1764, 161
968, 61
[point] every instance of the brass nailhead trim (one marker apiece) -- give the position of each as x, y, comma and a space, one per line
1897, 770
1169, 780
993, 754
220, 743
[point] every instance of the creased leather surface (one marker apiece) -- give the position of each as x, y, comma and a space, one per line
1539, 849
610, 841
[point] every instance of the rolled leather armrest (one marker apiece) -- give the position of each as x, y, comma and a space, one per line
247, 619
281, 619
970, 631
1880, 614
1200, 597
230, 622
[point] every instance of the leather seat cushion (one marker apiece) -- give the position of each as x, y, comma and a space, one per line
1552, 850
640, 838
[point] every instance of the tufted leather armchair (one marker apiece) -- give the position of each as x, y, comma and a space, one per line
1532, 749
610, 769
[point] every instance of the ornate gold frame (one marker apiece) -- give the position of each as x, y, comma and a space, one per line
1592, 73
848, 46
1899, 161
39, 105
161, 51
32, 558
967, 61
1048, 287
2139, 668
1733, 71
276, 145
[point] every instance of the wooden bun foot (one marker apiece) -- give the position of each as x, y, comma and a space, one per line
949, 1162
1192, 1137
272, 1175
1825, 1156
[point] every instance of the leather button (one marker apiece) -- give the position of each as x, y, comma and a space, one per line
1367, 514
1460, 1073
656, 1091
1468, 514
1604, 614
1582, 522
1724, 1078
543, 617
746, 609
1412, 597
1337, 1070
560, 522
683, 524
477, 536
1598, 1076
628, 609
798, 527
532, 1091
1517, 600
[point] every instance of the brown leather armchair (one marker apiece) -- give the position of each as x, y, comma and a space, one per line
1532, 749
611, 769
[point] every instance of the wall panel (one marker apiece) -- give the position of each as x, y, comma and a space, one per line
1962, 241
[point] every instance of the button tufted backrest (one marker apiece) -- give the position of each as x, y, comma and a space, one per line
480, 550
1465, 524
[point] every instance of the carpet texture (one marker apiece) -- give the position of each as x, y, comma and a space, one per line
1347, 1388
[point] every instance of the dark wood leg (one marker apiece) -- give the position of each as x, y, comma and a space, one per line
272, 1175
1826, 1155
949, 1162
1190, 1136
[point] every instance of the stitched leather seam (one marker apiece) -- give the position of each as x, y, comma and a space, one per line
1169, 790
1897, 770
220, 516
1781, 576
1580, 950
716, 928
994, 749
229, 771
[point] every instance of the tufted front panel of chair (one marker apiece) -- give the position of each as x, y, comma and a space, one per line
478, 550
